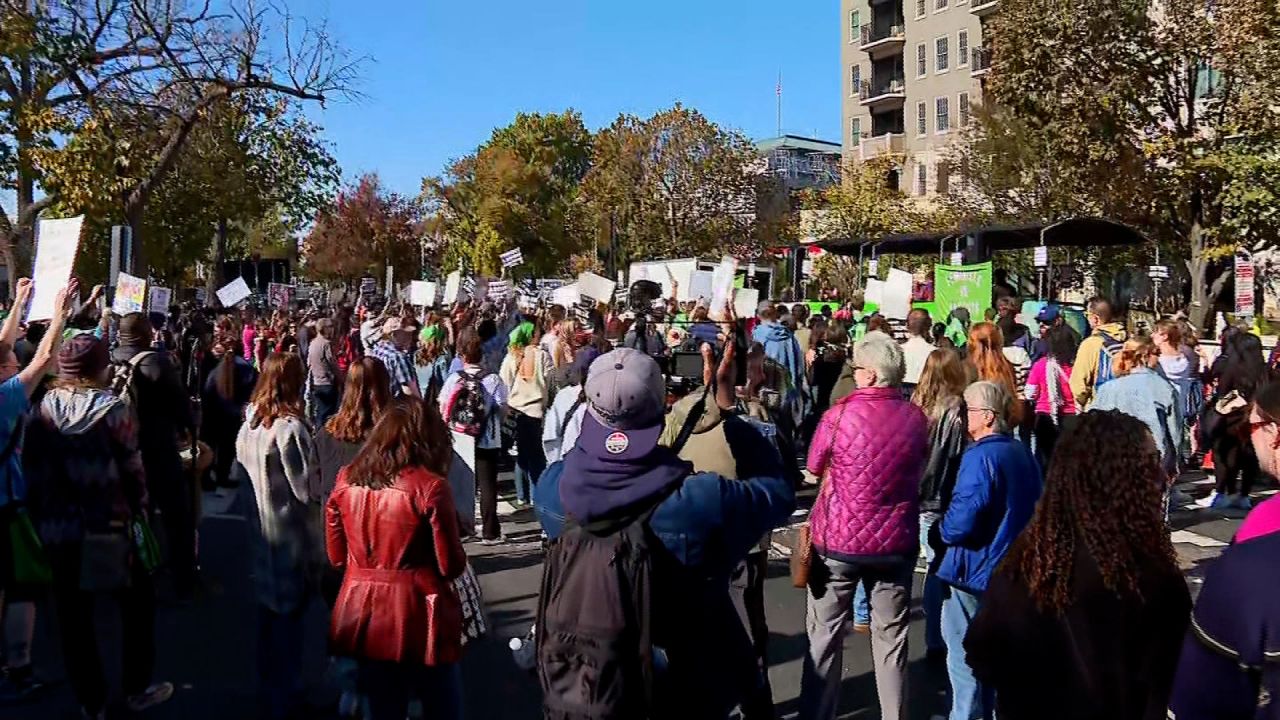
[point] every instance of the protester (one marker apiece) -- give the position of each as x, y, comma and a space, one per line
1049, 391
432, 362
780, 345
1084, 617
1227, 668
917, 348
1049, 318
995, 495
803, 334
940, 395
870, 451
17, 595
391, 525
225, 395
151, 382
476, 447
1015, 333
322, 369
87, 490
984, 352
1236, 374
393, 350
364, 398
563, 420
1140, 392
830, 355
278, 453
617, 472
1093, 365
524, 373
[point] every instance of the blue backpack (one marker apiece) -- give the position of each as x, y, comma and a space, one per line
1106, 357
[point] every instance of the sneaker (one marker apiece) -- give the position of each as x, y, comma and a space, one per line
19, 684
1218, 501
1178, 499
150, 697
1241, 502
501, 539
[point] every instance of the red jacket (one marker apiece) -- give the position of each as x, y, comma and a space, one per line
401, 550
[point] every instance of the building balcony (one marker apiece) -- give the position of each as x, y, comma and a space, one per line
883, 42
887, 144
980, 62
982, 8
883, 94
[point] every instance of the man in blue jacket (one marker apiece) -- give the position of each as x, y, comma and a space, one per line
994, 498
707, 522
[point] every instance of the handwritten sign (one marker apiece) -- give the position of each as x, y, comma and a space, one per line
130, 292
722, 285
233, 292
452, 284
56, 244
596, 287
422, 293
159, 300
280, 295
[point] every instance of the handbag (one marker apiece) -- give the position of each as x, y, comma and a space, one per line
104, 561
28, 563
145, 544
802, 557
474, 623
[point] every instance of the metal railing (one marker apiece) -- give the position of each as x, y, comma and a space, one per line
871, 35
980, 59
893, 86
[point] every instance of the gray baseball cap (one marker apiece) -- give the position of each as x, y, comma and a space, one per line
625, 390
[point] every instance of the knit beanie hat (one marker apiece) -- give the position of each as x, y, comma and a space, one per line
83, 356
135, 329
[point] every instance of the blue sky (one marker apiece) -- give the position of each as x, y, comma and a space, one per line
442, 74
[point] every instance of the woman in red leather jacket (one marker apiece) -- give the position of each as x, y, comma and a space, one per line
391, 525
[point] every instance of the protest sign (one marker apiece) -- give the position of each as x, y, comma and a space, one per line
56, 245
452, 284
233, 292
499, 290
566, 296
745, 302
511, 258
422, 293
895, 303
202, 296
159, 300
280, 295
966, 286
874, 291
722, 285
596, 287
130, 292
700, 284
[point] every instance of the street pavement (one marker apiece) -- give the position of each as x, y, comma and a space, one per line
206, 647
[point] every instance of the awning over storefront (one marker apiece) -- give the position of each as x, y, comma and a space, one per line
978, 243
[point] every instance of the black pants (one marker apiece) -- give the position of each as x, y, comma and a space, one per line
1235, 466
529, 454
487, 483
324, 403
74, 608
1047, 434
746, 588
221, 436
174, 504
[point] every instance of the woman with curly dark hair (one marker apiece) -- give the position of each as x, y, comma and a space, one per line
1085, 616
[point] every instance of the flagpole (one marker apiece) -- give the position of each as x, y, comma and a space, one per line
779, 103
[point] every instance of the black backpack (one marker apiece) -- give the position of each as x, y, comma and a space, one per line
469, 408
596, 619
122, 374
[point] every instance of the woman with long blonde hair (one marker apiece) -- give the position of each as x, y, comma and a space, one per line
940, 394
986, 355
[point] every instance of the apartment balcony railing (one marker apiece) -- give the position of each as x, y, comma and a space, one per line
980, 61
886, 144
883, 41
982, 8
882, 93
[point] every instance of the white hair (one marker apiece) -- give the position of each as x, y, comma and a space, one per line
990, 396
880, 353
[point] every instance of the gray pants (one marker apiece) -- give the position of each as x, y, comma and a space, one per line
831, 588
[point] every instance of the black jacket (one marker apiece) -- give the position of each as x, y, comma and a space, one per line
948, 438
164, 412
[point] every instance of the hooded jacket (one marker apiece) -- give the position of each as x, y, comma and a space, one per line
1084, 371
781, 347
82, 463
163, 410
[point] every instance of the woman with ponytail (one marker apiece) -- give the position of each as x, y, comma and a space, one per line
524, 372
225, 395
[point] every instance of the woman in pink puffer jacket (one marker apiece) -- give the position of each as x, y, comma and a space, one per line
870, 450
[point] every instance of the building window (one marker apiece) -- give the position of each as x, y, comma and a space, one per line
943, 113
939, 5
922, 60
922, 178
962, 48
962, 107
942, 179
855, 130
921, 8
942, 54
922, 118
855, 26
855, 80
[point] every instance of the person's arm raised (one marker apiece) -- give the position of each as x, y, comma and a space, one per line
21, 296
47, 352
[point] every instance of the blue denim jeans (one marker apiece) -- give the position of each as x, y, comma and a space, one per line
932, 587
524, 488
861, 606
969, 699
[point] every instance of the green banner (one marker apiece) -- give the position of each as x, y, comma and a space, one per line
966, 286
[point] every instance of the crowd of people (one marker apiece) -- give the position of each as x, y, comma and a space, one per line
1029, 472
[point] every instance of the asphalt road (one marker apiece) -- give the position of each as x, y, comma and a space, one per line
206, 648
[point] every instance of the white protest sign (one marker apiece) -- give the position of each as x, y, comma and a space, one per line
233, 292
596, 287
422, 293
895, 303
566, 296
745, 302
480, 289
56, 245
451, 285
499, 289
159, 299
874, 291
130, 292
700, 284
722, 285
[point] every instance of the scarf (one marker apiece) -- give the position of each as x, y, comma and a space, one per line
593, 487
1053, 381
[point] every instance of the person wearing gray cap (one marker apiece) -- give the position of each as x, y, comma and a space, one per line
706, 523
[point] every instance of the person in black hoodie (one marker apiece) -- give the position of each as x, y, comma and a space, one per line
155, 389
1085, 616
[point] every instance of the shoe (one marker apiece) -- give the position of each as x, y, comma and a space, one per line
1241, 502
19, 684
150, 697
1178, 499
1218, 501
862, 628
501, 539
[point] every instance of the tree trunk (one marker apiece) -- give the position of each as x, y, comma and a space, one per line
1204, 294
213, 277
